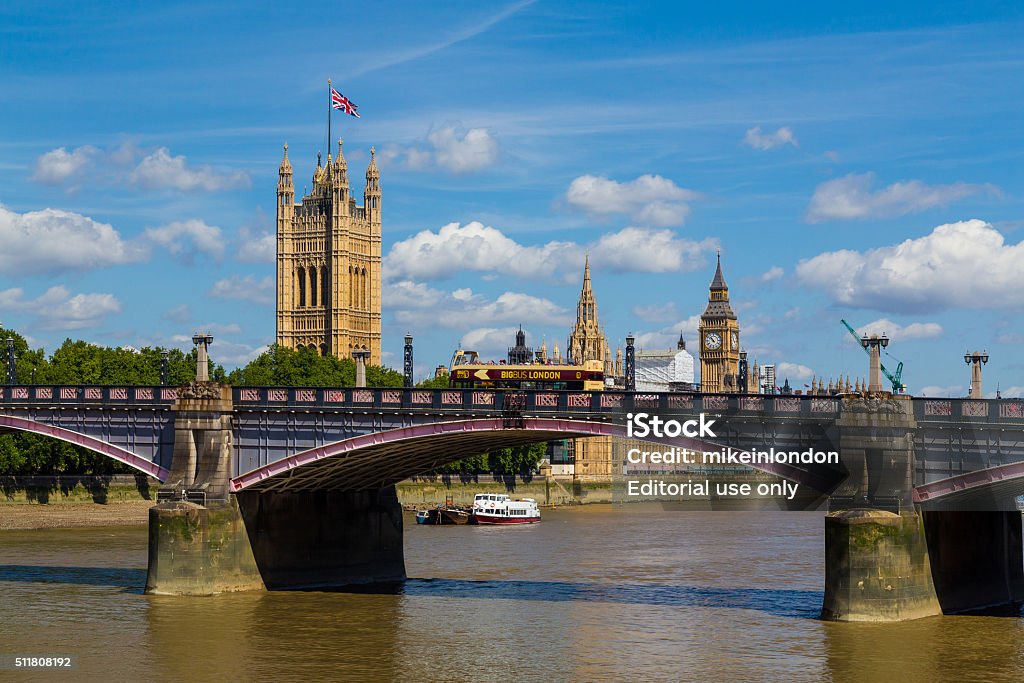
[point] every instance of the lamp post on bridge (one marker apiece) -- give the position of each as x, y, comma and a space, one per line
360, 355
875, 344
630, 369
741, 383
11, 367
163, 368
202, 342
975, 360
407, 367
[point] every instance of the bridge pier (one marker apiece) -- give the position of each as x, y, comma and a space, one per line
199, 550
204, 541
877, 567
876, 554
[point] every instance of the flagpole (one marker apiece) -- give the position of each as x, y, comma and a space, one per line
330, 107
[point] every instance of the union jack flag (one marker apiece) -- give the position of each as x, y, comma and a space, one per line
339, 101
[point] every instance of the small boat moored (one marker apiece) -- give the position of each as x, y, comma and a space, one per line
443, 515
496, 508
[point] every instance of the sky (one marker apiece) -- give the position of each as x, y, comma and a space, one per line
863, 166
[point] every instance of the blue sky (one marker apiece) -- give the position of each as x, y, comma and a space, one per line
866, 167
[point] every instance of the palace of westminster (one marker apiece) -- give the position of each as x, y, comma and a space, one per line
329, 299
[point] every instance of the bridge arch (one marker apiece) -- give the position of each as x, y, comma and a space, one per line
383, 458
985, 487
20, 424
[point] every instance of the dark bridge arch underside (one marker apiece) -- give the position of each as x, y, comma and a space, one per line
10, 423
993, 488
384, 458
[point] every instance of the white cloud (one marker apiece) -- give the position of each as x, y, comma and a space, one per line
186, 239
772, 274
666, 337
161, 170
765, 141
898, 332
958, 265
222, 351
52, 240
649, 200
417, 305
261, 248
473, 151
953, 391
57, 309
489, 341
246, 288
852, 197
1008, 392
476, 247
179, 314
59, 165
793, 371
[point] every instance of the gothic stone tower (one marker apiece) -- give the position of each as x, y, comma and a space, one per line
587, 340
719, 339
328, 262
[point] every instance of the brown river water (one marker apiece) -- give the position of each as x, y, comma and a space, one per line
595, 593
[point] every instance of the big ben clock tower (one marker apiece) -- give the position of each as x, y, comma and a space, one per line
719, 339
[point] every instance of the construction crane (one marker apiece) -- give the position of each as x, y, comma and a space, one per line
897, 379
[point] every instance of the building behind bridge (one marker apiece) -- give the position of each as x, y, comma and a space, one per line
329, 262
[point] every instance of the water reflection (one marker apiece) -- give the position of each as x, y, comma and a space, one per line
589, 595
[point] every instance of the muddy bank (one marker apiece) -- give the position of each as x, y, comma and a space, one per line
78, 514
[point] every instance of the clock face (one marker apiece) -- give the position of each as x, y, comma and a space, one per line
712, 341
735, 340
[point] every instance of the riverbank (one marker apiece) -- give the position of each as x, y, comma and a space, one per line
73, 514
124, 501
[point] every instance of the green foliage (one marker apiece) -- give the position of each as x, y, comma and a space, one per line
518, 459
79, 362
504, 461
435, 383
279, 366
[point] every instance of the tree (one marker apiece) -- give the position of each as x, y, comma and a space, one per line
441, 382
280, 366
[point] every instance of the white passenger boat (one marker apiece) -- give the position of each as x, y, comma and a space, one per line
496, 508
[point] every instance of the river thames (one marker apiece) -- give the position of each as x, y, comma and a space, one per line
594, 593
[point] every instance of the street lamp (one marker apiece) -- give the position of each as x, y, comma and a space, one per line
163, 368
630, 369
202, 341
741, 385
874, 344
975, 360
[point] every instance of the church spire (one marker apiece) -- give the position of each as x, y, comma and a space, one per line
286, 165
719, 282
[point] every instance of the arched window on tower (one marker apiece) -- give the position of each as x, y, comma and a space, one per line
323, 285
300, 275
351, 286
365, 291
313, 281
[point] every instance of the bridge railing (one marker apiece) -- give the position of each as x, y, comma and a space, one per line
478, 401
967, 410
86, 394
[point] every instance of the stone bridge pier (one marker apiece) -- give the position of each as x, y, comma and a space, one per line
203, 540
888, 560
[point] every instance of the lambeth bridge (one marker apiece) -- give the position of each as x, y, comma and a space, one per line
294, 487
